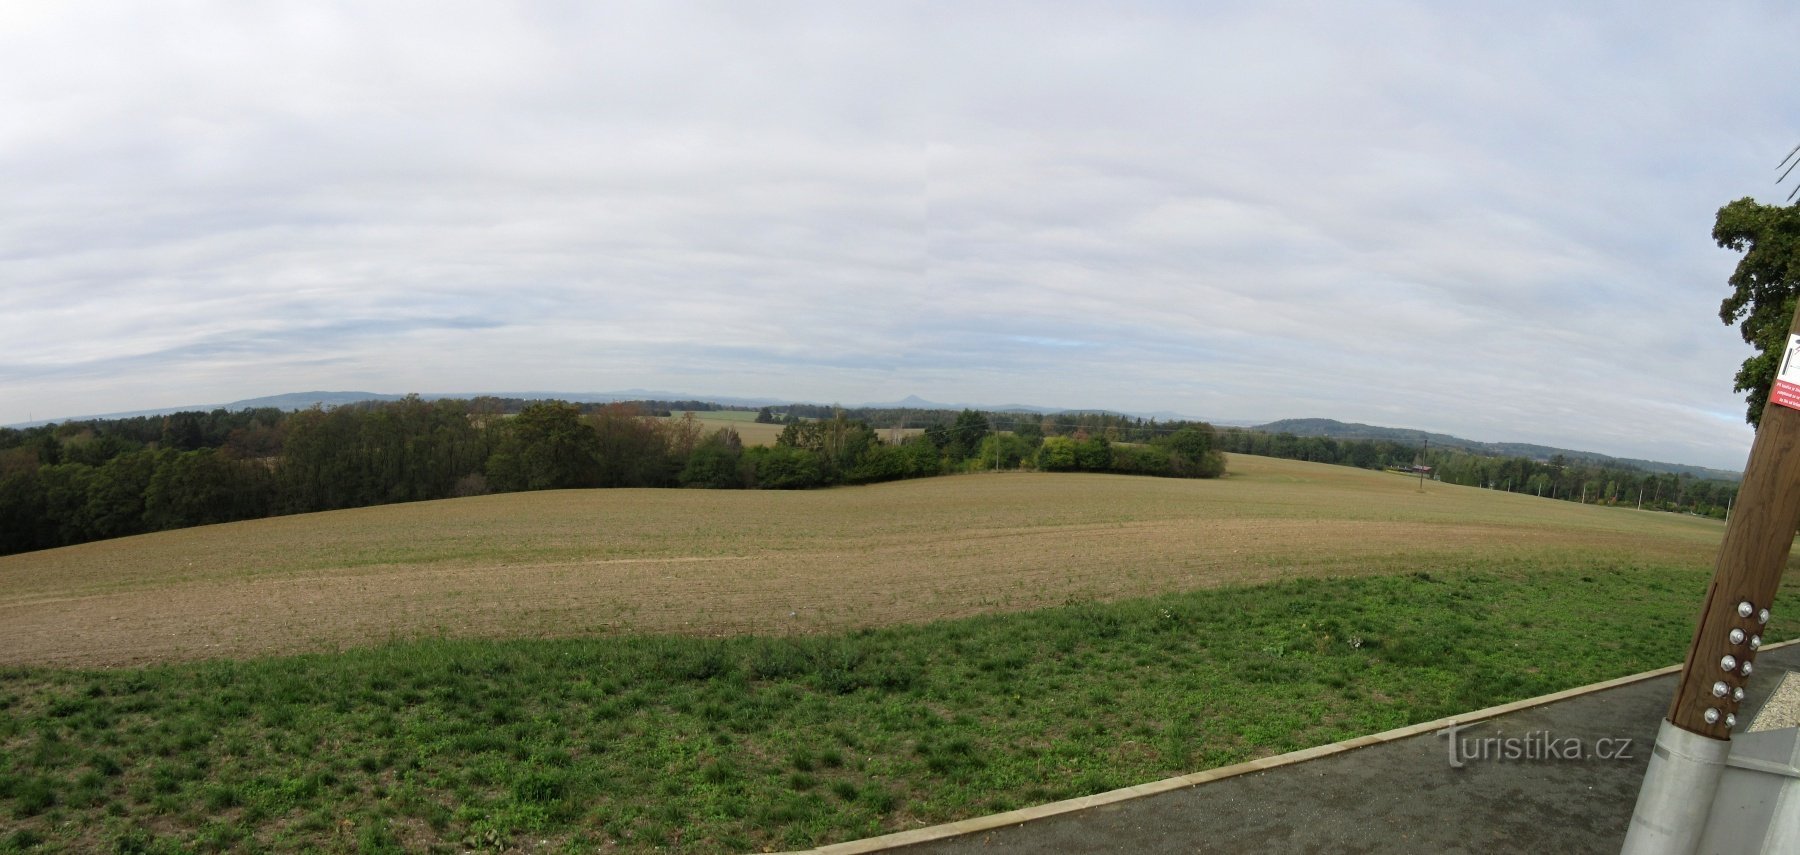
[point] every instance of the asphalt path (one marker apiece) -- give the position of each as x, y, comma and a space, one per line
1562, 777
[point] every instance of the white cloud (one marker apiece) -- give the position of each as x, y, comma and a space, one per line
1491, 221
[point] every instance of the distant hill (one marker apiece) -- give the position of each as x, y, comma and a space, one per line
914, 402
304, 400
1352, 430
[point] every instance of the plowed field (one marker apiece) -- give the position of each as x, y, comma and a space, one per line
726, 562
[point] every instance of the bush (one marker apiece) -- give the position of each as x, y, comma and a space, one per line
783, 468
1141, 460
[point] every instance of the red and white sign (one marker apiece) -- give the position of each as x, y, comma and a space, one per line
1787, 378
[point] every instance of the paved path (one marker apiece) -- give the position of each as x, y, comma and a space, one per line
1402, 796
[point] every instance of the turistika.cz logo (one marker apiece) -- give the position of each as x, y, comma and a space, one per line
1533, 746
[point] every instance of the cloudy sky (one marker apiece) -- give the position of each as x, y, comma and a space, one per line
1491, 220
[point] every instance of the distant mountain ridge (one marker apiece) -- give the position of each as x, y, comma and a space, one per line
1352, 430
303, 400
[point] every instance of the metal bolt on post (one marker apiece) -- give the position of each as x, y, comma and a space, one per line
1695, 739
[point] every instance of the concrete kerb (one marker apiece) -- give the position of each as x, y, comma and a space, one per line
1022, 815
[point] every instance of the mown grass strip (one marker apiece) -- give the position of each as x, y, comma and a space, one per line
747, 743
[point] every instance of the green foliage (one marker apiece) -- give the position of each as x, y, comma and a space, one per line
115, 500
1004, 451
69, 483
349, 457
884, 462
964, 435
716, 463
1064, 454
1191, 452
1093, 454
24, 521
203, 487
547, 446
839, 445
1556, 478
1057, 454
633, 451
1764, 288
785, 467
1141, 460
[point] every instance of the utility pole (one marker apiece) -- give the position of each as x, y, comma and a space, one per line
1695, 739
1422, 458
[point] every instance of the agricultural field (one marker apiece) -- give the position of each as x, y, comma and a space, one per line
719, 671
745, 424
572, 563
765, 434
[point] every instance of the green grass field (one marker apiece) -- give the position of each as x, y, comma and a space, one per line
748, 743
976, 644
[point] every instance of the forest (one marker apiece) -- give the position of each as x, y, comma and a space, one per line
80, 481
1557, 477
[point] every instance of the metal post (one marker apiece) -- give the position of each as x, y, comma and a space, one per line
1690, 752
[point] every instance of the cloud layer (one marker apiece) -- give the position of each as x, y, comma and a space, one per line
1492, 222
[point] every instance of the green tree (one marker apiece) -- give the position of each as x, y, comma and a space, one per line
966, 434
1004, 451
1093, 454
23, 523
1191, 452
204, 487
115, 501
1763, 289
546, 447
783, 467
632, 450
1057, 454
716, 462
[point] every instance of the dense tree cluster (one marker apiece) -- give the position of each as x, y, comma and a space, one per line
1556, 478
1764, 288
80, 481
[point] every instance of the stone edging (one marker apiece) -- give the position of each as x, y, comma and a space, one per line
1015, 817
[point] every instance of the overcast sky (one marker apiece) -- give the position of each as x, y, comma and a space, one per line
1492, 220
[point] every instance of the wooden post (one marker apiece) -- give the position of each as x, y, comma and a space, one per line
1693, 744
1757, 542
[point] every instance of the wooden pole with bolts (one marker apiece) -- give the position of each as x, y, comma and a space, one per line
1751, 558
1694, 740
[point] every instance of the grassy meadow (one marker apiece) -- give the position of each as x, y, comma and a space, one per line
707, 671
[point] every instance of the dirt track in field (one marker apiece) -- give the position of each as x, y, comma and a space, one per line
717, 562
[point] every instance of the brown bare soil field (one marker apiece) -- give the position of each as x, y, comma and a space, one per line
725, 562
747, 430
753, 433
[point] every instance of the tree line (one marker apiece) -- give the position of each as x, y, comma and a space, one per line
1558, 477
78, 481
